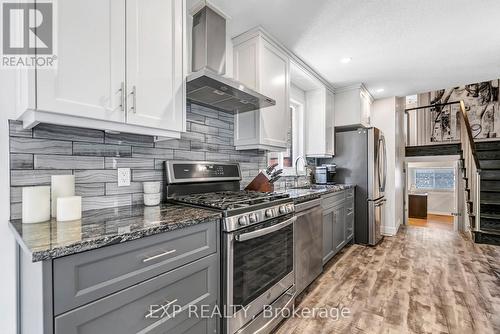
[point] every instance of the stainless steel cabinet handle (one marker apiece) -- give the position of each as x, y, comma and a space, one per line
264, 231
122, 96
159, 255
134, 99
150, 314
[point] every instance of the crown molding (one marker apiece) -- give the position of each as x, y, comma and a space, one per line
262, 32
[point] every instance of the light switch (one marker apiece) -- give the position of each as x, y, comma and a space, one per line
123, 177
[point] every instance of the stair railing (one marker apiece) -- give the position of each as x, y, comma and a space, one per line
472, 170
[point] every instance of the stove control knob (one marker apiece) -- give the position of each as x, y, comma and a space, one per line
253, 218
290, 208
269, 213
283, 209
243, 220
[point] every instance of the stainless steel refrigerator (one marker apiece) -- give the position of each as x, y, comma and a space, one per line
360, 155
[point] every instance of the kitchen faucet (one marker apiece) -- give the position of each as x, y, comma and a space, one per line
296, 169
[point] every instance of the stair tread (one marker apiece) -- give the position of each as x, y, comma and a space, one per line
488, 232
490, 202
490, 215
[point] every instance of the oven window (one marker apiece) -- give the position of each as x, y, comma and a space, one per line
260, 263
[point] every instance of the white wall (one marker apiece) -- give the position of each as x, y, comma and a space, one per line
438, 202
8, 94
387, 116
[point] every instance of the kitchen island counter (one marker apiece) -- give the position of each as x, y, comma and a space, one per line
104, 227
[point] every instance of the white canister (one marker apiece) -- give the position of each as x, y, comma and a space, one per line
152, 199
36, 204
151, 187
69, 208
62, 186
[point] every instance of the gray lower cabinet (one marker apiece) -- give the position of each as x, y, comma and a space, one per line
158, 305
328, 248
85, 277
338, 222
146, 286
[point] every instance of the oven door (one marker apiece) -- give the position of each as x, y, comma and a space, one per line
258, 268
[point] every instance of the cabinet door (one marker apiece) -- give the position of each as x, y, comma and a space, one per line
155, 64
91, 61
275, 83
328, 248
329, 124
349, 224
339, 228
138, 309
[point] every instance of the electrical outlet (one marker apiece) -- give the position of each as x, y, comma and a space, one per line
123, 177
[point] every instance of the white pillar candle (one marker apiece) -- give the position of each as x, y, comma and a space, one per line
69, 208
62, 186
36, 204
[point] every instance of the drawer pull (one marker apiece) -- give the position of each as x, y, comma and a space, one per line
159, 255
162, 307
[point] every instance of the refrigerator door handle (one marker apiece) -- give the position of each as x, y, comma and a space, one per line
382, 159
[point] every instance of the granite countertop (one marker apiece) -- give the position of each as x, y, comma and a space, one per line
300, 195
104, 227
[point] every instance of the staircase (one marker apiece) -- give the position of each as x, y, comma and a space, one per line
488, 230
481, 175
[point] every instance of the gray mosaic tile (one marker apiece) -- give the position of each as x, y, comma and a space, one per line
174, 144
16, 194
16, 129
102, 202
152, 153
89, 189
217, 123
129, 139
211, 130
40, 146
134, 163
92, 176
21, 161
51, 131
68, 162
189, 155
147, 175
34, 177
101, 150
113, 189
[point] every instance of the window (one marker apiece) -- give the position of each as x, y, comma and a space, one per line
435, 179
295, 142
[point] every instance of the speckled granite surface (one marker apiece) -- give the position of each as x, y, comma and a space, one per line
316, 191
99, 228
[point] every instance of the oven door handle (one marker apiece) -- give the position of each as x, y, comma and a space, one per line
264, 231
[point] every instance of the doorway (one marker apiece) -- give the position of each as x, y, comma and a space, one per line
432, 195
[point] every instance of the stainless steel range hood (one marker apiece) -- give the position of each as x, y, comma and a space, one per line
206, 85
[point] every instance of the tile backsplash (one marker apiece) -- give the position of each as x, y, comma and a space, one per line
94, 155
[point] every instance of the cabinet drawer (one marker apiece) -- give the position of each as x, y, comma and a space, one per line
85, 277
331, 200
349, 193
129, 311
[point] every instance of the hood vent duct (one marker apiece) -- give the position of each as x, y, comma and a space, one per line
206, 85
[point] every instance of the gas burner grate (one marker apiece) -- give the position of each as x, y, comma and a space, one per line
229, 200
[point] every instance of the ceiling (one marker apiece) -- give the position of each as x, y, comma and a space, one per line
402, 47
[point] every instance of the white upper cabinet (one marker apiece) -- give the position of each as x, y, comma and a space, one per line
91, 61
319, 118
155, 64
320, 123
263, 66
121, 67
353, 106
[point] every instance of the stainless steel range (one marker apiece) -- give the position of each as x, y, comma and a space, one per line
257, 242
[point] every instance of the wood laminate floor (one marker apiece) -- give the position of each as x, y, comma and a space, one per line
434, 221
424, 280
